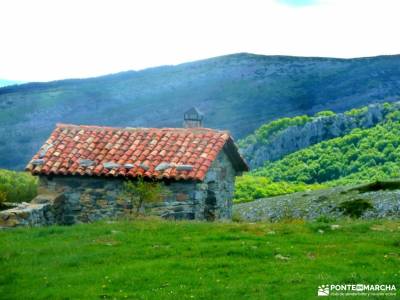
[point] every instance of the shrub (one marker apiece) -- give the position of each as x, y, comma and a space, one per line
319, 226
236, 217
3, 199
141, 192
355, 208
250, 187
267, 130
17, 186
325, 113
356, 111
324, 219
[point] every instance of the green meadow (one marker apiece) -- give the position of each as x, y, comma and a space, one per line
154, 259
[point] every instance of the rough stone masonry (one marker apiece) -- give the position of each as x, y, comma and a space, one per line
72, 199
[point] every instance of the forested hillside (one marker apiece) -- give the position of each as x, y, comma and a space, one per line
236, 92
280, 137
362, 155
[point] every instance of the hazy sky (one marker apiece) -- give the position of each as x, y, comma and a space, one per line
55, 39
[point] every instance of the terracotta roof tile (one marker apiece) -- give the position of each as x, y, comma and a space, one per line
150, 146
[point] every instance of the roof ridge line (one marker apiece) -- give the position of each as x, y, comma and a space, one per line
197, 129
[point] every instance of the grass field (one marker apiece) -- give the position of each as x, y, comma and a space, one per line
151, 259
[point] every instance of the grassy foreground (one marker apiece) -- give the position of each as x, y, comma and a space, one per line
151, 259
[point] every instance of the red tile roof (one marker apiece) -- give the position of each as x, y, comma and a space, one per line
174, 153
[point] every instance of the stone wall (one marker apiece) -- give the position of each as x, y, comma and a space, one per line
27, 214
78, 199
87, 199
45, 209
220, 181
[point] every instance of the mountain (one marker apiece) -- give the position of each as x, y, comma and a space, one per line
237, 92
4, 82
367, 149
274, 140
359, 156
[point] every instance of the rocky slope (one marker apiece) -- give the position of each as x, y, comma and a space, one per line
370, 201
318, 129
236, 92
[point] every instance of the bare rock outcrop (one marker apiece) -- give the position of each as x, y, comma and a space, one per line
295, 138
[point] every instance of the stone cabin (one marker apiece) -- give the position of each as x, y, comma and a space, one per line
81, 170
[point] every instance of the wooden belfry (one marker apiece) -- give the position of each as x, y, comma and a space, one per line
193, 118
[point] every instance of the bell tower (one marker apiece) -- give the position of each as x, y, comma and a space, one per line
193, 118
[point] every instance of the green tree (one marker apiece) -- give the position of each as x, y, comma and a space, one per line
325, 113
141, 192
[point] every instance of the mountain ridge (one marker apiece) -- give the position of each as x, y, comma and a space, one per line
124, 72
6, 82
258, 149
237, 92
